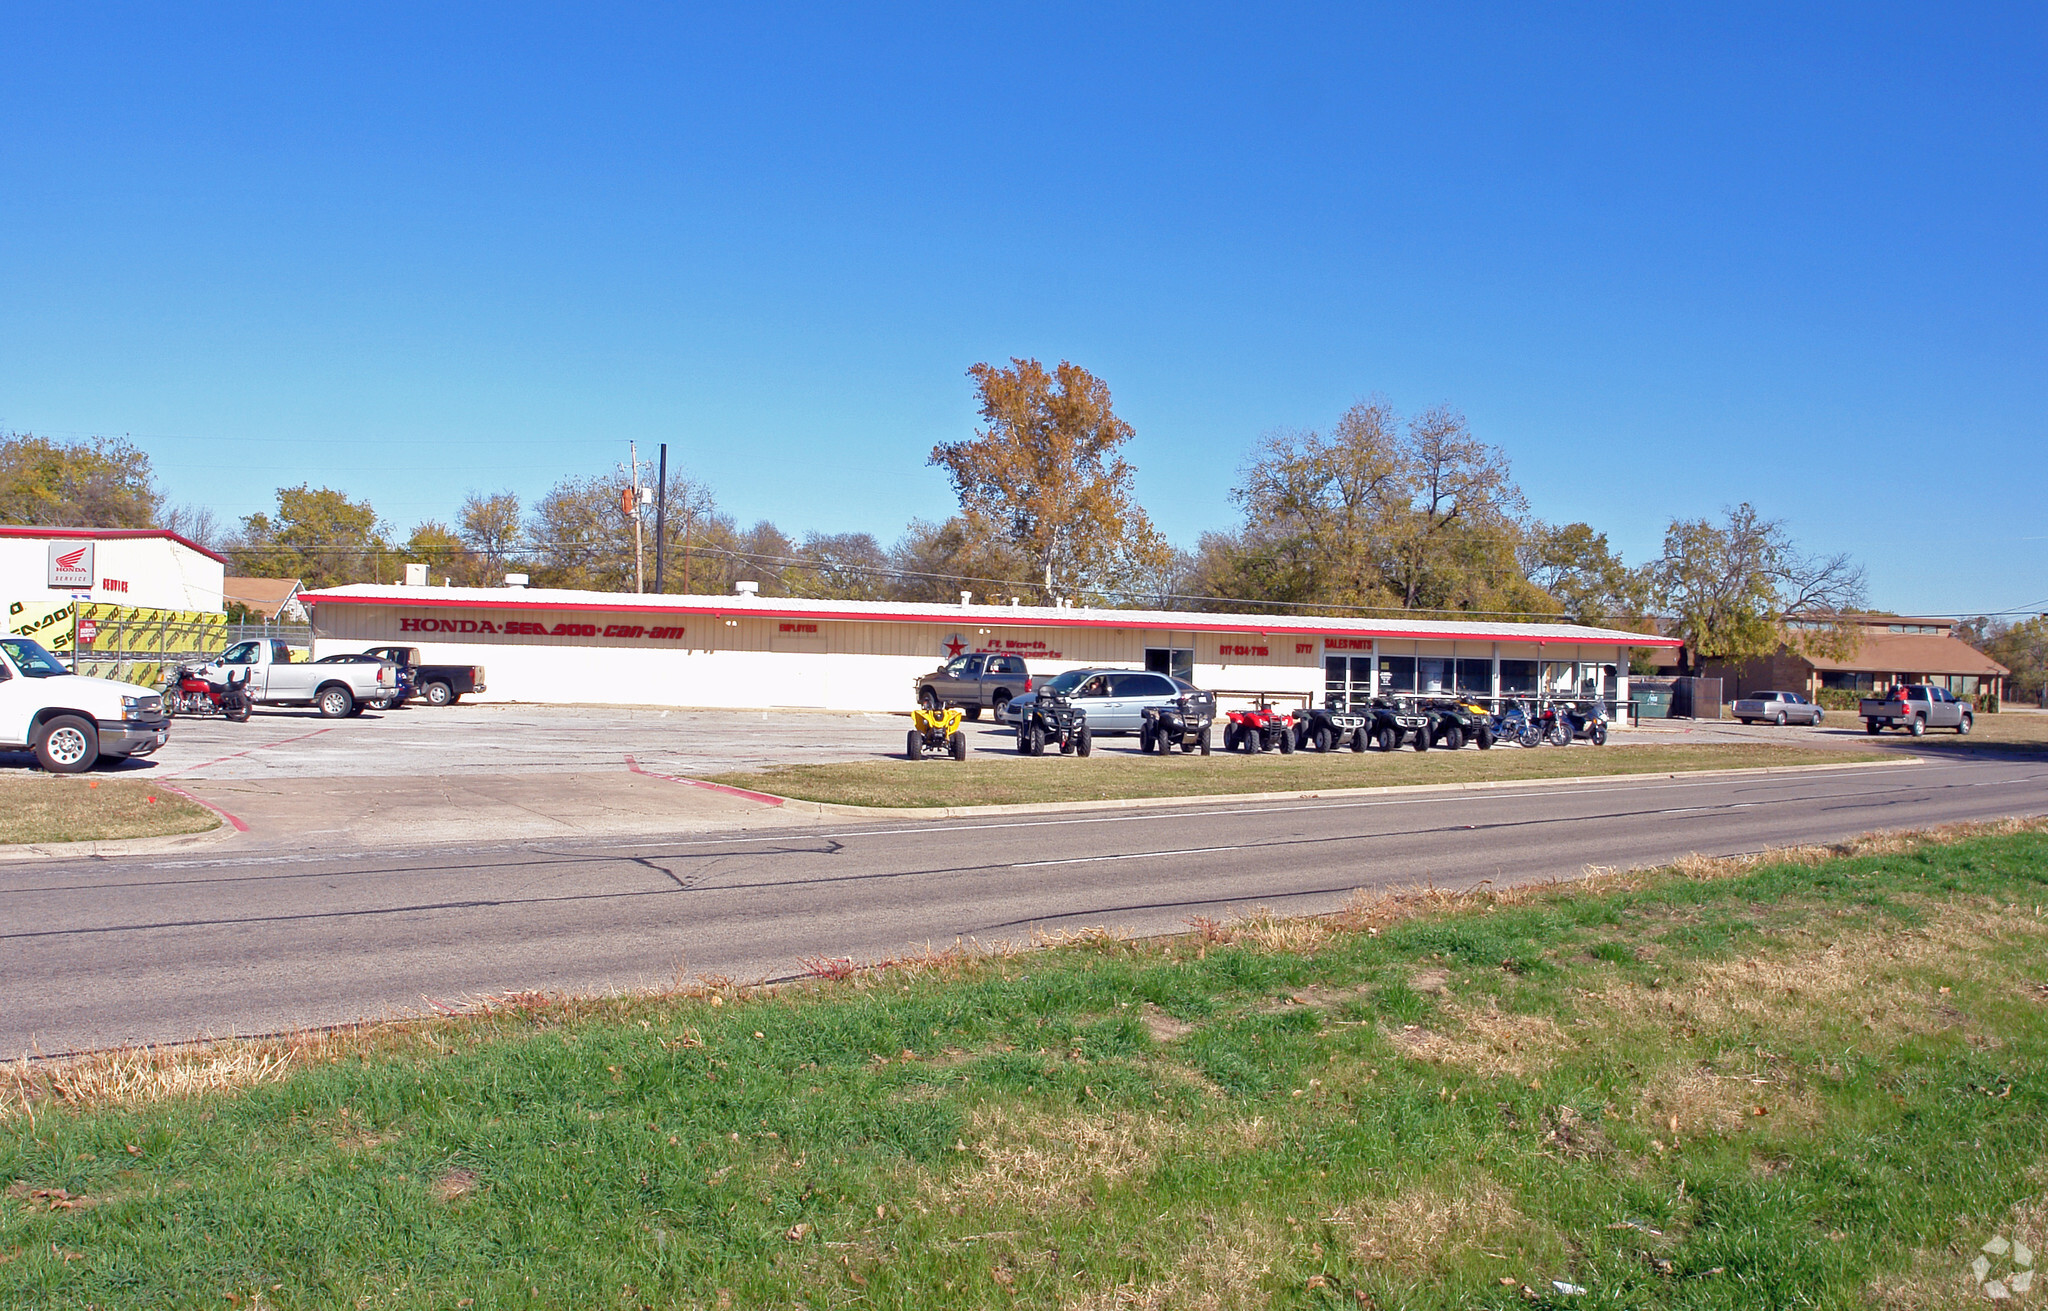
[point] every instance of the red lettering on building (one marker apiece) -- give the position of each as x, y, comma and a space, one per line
1228, 649
1346, 644
798, 628
113, 585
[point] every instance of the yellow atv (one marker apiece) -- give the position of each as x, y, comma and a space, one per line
936, 730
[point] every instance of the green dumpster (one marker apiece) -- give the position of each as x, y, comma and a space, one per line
1651, 703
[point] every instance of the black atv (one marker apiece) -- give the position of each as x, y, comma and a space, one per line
1398, 719
1185, 722
1331, 726
1454, 723
1054, 720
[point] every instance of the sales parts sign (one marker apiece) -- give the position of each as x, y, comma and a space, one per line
71, 564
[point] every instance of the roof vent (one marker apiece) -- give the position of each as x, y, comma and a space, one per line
515, 580
966, 598
746, 589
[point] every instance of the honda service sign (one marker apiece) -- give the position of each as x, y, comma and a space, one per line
70, 564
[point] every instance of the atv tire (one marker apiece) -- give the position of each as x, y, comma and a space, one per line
1202, 741
1286, 741
1453, 738
1386, 739
1035, 739
959, 746
1484, 740
1358, 739
1084, 741
1421, 742
913, 745
1323, 739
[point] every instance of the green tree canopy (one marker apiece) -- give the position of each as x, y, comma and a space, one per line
1740, 588
1046, 477
98, 482
319, 536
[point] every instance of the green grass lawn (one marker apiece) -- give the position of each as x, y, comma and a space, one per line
69, 808
1005, 778
1814, 1080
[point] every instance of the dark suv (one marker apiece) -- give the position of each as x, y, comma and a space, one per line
975, 683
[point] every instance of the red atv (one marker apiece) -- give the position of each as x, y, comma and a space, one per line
1259, 729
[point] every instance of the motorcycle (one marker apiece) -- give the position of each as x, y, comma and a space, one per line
1586, 721
1515, 724
1552, 727
189, 692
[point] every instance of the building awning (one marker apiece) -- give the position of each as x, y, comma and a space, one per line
1023, 616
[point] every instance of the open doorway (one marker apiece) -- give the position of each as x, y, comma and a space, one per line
1173, 661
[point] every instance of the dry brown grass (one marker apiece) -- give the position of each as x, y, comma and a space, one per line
1222, 1271
1487, 1041
1036, 1161
37, 808
1426, 1226
1684, 1100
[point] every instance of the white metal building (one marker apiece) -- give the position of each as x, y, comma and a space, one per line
544, 645
147, 567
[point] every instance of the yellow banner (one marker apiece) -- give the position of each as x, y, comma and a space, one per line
48, 622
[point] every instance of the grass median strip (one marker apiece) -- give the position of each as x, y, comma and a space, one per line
38, 808
1013, 780
1814, 1079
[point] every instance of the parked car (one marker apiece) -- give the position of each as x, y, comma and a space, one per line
1014, 711
1778, 707
275, 679
1115, 700
406, 687
70, 721
1915, 707
438, 685
975, 683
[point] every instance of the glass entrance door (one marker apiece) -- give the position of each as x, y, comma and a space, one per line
1347, 680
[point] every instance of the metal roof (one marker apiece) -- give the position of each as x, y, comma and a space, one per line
108, 534
1009, 616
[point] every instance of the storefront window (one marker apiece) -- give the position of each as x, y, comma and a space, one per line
1347, 679
1560, 678
1596, 682
1397, 674
1475, 677
1518, 678
1435, 674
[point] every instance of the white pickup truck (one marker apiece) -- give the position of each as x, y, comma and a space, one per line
72, 722
275, 679
1915, 707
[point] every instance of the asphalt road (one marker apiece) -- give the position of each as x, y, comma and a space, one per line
95, 953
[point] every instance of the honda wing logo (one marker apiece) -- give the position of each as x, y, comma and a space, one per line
70, 566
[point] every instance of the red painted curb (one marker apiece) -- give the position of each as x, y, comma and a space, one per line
234, 821
765, 798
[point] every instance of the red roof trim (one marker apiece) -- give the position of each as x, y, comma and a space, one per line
992, 618
108, 534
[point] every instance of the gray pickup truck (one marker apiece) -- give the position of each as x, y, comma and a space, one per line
276, 679
1915, 707
975, 683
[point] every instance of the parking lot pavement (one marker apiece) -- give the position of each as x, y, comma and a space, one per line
497, 740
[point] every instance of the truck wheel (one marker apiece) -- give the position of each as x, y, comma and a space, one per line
928, 699
1919, 725
335, 701
1202, 740
1454, 738
440, 694
1286, 741
959, 746
1002, 703
1084, 741
973, 712
1872, 727
66, 744
913, 745
1386, 739
1965, 726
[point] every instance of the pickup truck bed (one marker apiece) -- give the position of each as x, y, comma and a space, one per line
439, 685
1924, 706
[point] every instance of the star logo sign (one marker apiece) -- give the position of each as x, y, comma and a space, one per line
954, 646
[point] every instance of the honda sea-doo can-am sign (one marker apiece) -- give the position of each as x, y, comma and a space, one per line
70, 564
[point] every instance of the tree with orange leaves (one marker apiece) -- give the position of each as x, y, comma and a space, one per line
1045, 478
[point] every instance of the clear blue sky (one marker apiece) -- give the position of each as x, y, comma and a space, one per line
1669, 258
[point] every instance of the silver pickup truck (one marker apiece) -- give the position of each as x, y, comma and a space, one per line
275, 679
1915, 707
978, 682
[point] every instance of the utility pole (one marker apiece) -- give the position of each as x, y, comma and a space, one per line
633, 508
660, 514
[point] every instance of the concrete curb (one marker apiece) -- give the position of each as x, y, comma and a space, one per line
839, 810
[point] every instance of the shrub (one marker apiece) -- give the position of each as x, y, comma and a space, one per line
1987, 702
1840, 698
